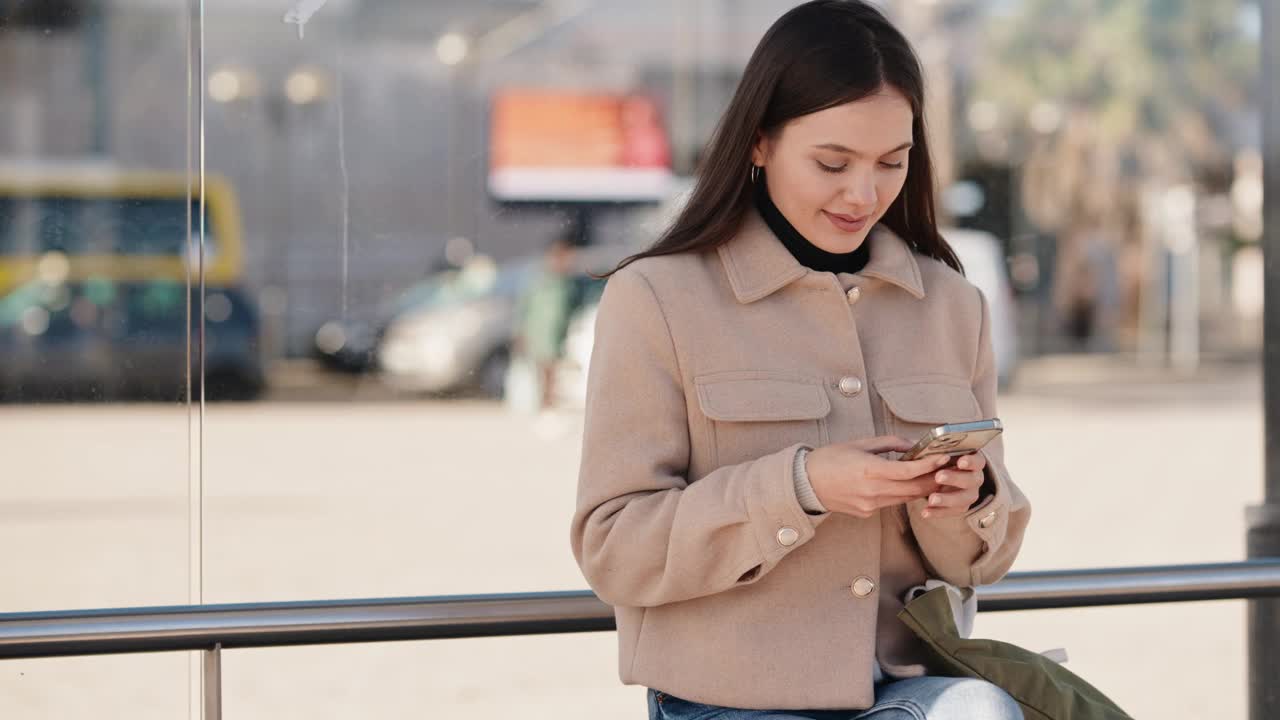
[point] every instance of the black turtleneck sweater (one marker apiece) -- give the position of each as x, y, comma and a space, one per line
805, 252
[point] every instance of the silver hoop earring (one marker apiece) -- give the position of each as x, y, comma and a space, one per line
754, 173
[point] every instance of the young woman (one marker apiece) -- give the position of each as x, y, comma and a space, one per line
754, 373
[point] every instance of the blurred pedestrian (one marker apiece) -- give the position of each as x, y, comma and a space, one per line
542, 317
754, 372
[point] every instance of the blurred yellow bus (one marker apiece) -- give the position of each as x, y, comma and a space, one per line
120, 225
94, 266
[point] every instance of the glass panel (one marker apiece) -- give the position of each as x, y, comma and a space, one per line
94, 497
93, 303
388, 265
134, 686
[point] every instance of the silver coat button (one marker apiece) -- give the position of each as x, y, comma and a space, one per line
854, 294
788, 536
987, 520
863, 586
850, 385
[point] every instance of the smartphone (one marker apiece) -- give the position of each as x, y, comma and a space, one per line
955, 439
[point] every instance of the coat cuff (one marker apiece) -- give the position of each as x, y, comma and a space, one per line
966, 539
804, 489
774, 509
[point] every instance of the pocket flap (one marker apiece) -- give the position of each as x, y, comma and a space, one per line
755, 398
932, 400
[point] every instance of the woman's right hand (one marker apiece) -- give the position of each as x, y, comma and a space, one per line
852, 478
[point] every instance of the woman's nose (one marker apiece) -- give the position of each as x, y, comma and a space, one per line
861, 190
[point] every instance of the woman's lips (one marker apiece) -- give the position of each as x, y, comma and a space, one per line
847, 223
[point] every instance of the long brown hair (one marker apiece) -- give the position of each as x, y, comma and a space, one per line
818, 55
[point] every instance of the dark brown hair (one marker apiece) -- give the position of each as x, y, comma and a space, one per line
818, 55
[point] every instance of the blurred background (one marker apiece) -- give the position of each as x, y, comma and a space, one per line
296, 303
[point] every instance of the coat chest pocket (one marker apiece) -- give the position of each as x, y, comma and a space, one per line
914, 405
752, 414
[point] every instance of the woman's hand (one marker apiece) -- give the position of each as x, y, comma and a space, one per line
958, 487
853, 479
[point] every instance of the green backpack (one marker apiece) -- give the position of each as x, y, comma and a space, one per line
1044, 689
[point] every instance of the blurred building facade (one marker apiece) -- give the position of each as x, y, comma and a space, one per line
358, 148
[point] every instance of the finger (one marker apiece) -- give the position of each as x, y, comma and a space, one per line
949, 500
948, 504
958, 479
951, 489
973, 461
910, 469
882, 444
903, 490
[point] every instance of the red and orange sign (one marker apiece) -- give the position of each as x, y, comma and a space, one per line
563, 145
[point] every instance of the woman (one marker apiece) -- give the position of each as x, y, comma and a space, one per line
753, 373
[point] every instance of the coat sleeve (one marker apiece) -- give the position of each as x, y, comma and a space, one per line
979, 547
643, 533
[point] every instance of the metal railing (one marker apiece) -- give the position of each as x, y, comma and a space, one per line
212, 628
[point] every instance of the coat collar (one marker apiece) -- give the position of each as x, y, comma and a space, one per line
758, 264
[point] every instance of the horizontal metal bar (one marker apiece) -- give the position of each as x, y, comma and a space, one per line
298, 623
200, 627
1132, 586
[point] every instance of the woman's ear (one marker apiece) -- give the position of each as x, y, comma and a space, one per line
761, 150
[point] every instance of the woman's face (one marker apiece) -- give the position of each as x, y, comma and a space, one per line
835, 172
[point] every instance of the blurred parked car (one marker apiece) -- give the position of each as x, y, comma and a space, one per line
455, 333
452, 333
348, 345
105, 340
351, 344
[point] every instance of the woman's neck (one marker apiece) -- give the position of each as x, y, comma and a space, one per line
805, 252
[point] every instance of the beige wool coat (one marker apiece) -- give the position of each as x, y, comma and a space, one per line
708, 373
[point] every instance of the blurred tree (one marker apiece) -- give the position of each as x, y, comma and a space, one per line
1102, 99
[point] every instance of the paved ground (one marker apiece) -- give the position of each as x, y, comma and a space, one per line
362, 499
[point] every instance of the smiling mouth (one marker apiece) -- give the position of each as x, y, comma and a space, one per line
848, 218
848, 223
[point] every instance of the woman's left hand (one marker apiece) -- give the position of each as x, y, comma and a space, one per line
959, 485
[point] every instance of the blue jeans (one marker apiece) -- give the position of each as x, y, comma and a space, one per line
923, 698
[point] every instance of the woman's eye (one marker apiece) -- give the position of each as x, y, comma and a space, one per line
892, 166
830, 168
